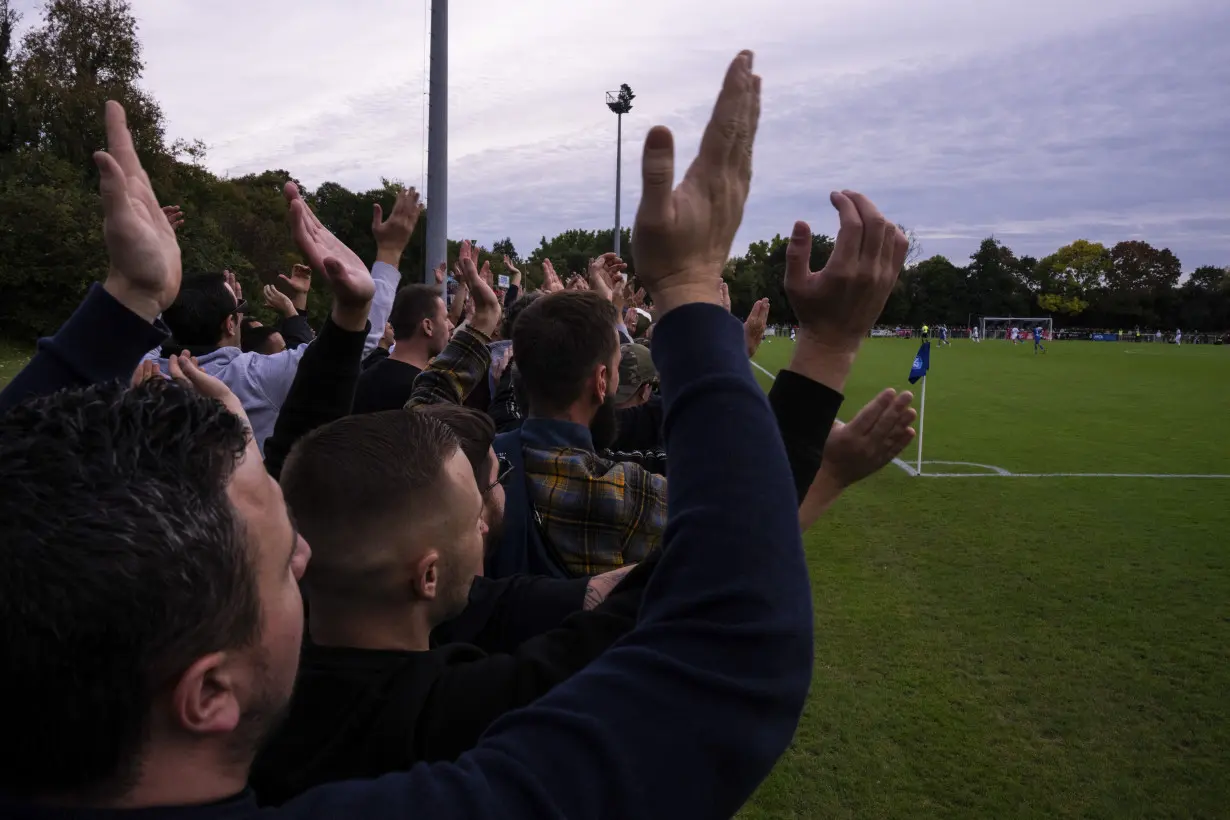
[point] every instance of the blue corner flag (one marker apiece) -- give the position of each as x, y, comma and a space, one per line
922, 363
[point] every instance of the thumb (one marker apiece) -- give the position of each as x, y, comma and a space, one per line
798, 256
377, 216
657, 176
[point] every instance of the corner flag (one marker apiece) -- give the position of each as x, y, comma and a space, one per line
922, 363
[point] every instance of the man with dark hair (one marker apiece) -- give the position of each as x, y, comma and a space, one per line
390, 502
172, 581
596, 515
203, 320
421, 329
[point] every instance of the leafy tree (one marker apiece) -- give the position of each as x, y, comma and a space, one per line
8, 105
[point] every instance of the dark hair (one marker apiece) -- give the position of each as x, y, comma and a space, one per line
256, 338
514, 310
474, 430
123, 562
196, 317
358, 475
412, 305
558, 341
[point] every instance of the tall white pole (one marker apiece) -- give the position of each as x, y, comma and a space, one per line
437, 144
922, 414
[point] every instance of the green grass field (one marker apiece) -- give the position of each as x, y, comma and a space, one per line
1003, 647
992, 647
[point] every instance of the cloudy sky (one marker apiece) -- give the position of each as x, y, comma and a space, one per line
1038, 121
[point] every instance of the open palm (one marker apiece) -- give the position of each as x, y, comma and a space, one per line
328, 256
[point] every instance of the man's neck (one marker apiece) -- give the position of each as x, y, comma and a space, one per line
405, 631
577, 414
411, 351
189, 774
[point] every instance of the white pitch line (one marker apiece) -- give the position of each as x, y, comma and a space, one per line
1002, 473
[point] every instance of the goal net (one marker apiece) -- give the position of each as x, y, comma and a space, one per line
1000, 327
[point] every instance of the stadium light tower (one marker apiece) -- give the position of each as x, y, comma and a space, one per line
619, 102
437, 144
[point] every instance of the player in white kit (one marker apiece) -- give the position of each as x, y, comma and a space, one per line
973, 334
1178, 337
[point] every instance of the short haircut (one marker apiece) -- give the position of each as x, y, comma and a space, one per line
196, 317
514, 310
411, 306
558, 341
123, 562
255, 339
474, 430
361, 477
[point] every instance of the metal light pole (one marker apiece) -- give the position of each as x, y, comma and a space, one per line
437, 145
619, 102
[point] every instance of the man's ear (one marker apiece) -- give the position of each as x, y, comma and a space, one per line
602, 382
231, 326
425, 576
645, 391
428, 327
206, 698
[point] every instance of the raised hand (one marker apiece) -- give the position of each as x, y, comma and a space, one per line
279, 301
550, 279
232, 282
439, 272
386, 339
297, 285
753, 328
605, 275
485, 273
724, 295
873, 438
348, 278
838, 305
393, 234
146, 269
682, 235
174, 215
514, 276
487, 311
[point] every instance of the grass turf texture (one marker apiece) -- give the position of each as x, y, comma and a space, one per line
1025, 647
1021, 647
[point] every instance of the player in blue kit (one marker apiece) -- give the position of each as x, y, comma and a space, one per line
1038, 341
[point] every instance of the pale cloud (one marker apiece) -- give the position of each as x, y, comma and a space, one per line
1038, 121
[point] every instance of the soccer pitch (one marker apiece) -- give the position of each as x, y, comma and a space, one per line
1010, 646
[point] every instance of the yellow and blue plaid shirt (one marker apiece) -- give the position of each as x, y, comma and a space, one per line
595, 514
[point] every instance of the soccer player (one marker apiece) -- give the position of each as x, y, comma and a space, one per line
926, 331
1014, 335
1178, 337
1038, 340
973, 334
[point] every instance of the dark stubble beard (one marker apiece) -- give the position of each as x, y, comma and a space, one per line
604, 429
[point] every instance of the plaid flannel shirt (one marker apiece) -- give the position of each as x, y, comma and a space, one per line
451, 376
596, 515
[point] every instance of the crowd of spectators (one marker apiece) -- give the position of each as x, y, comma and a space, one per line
447, 554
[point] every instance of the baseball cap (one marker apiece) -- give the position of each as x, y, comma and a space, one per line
635, 368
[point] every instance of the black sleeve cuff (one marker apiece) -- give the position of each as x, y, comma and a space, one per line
805, 411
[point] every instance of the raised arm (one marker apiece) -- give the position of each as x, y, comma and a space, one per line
687, 714
116, 324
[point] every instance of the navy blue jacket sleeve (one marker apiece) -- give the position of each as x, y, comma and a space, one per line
687, 714
101, 342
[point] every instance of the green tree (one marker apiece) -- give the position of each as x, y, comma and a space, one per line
84, 53
8, 105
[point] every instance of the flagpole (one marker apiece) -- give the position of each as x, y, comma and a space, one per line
922, 413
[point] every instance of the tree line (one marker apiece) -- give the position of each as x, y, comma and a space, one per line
53, 84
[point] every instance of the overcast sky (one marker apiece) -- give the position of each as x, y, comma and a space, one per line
1040, 121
